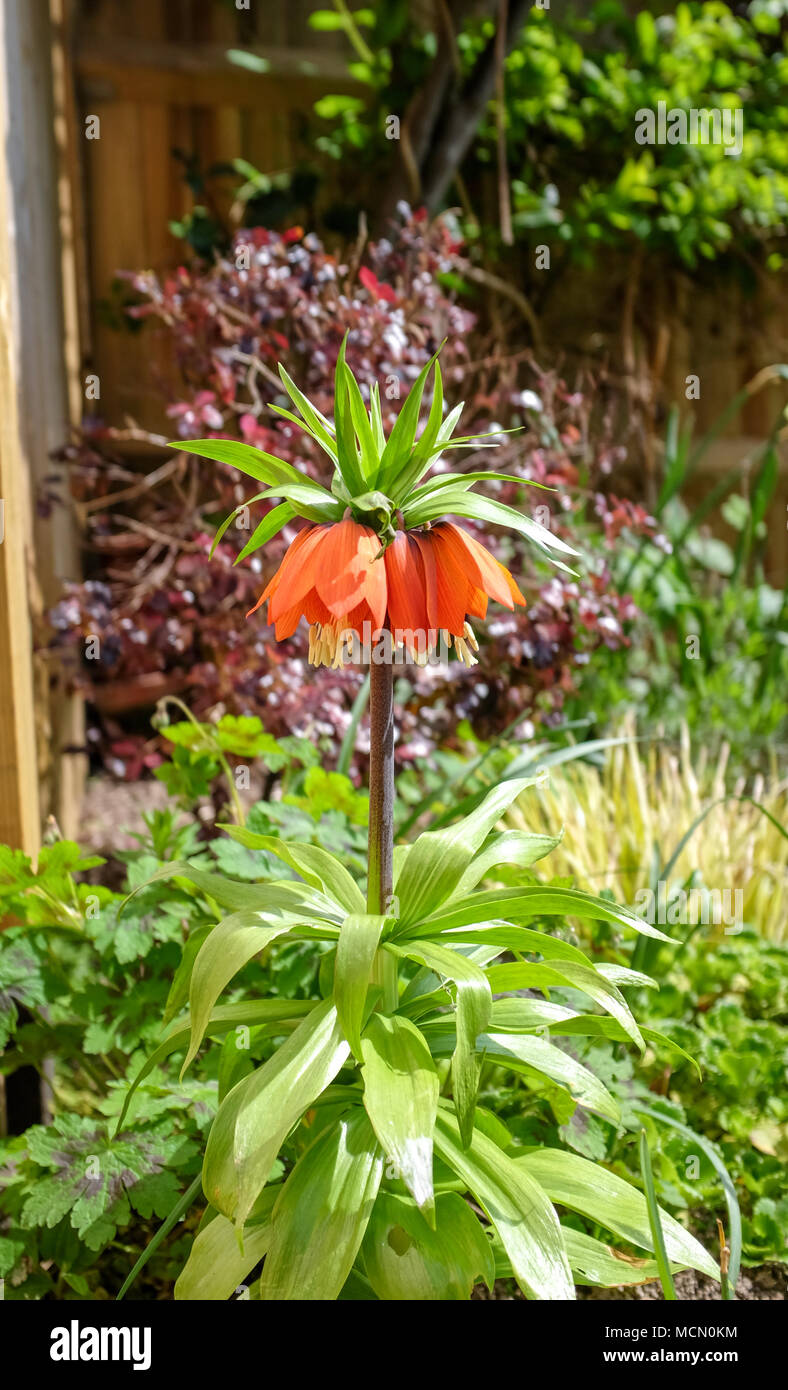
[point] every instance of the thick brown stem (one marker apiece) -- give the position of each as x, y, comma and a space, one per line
381, 786
381, 817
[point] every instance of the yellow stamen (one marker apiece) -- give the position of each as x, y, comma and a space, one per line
471, 637
464, 652
330, 645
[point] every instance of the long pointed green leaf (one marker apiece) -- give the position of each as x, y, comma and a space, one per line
438, 858
508, 1049
520, 1015
218, 1263
533, 901
401, 1098
562, 973
223, 1018
657, 1236
407, 1261
525, 1053
370, 458
266, 468
601, 1026
260, 897
625, 978
304, 427
521, 1212
731, 1199
424, 447
464, 481
518, 847
347, 454
319, 427
315, 865
400, 441
253, 1120
401, 488
376, 418
180, 1208
269, 527
513, 939
593, 1262
228, 521
356, 949
594, 1191
474, 1002
321, 1215
229, 947
470, 504
307, 502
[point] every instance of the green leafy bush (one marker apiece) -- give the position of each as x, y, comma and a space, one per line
577, 83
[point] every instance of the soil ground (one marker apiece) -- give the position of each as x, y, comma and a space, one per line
769, 1282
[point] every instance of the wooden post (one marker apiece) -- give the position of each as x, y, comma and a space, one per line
19, 808
34, 416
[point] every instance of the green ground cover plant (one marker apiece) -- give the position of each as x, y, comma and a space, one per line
722, 1002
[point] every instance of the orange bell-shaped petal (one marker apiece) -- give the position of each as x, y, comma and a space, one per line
425, 582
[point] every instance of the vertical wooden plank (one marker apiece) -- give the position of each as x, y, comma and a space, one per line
67, 709
71, 203
19, 801
116, 217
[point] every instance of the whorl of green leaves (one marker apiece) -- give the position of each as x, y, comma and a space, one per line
403, 1185
374, 477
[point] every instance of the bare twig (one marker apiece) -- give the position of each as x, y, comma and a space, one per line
460, 118
508, 291
149, 480
151, 531
153, 580
354, 259
259, 366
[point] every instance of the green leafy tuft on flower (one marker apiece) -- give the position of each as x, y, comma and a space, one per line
379, 551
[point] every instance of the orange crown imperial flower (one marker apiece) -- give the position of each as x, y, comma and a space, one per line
379, 556
426, 582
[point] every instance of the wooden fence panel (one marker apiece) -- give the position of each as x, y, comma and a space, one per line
33, 416
158, 77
